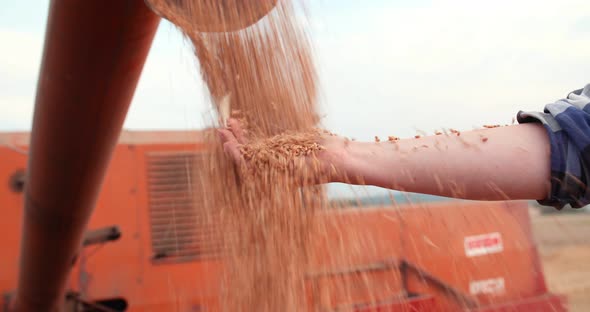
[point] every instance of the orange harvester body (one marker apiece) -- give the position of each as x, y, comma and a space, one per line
146, 249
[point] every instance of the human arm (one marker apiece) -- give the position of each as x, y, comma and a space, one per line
564, 168
547, 159
491, 164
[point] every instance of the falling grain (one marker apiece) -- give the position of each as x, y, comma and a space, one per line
266, 219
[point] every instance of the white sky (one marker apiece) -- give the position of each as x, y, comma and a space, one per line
387, 67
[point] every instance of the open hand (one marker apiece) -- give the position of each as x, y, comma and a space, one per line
327, 164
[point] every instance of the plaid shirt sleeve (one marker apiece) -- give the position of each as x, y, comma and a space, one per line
567, 122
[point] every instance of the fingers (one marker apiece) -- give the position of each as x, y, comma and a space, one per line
232, 137
237, 130
233, 150
227, 135
231, 146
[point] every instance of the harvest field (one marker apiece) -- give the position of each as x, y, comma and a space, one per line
564, 246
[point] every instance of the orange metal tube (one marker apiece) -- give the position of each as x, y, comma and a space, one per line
93, 56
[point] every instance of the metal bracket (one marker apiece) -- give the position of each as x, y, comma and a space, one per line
102, 235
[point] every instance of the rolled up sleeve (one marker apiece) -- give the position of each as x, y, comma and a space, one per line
567, 122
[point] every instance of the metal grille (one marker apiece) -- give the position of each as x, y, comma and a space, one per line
179, 228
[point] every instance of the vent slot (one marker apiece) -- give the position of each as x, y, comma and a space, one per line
179, 229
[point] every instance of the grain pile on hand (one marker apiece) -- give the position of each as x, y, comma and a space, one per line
281, 151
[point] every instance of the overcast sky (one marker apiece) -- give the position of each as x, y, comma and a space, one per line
387, 67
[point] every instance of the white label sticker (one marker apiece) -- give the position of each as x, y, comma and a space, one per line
484, 244
492, 286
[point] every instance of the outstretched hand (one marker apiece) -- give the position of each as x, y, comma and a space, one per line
233, 138
327, 163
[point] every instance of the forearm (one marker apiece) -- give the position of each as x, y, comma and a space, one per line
503, 163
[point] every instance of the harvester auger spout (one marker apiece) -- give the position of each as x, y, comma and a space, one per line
93, 56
